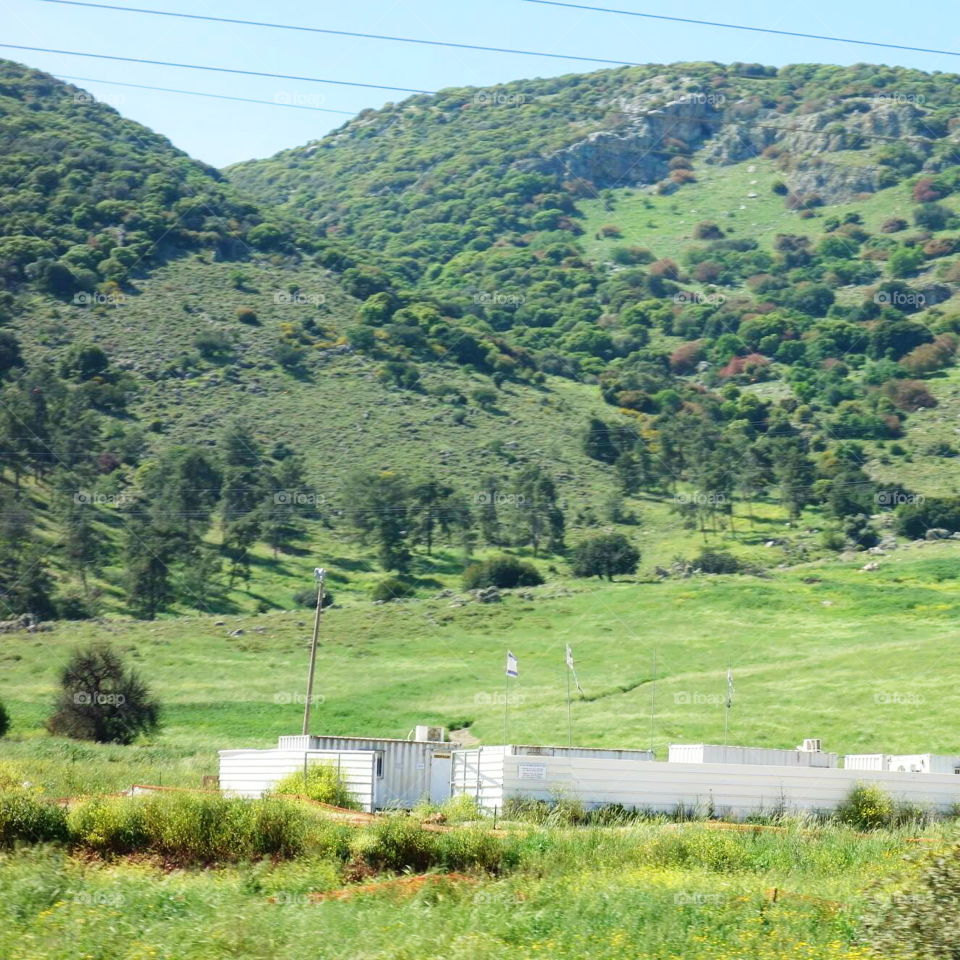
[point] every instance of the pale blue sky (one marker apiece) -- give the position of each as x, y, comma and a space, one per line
221, 132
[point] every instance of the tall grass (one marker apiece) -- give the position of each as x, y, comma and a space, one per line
190, 828
607, 894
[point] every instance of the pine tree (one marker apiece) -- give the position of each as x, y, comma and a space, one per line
539, 517
379, 508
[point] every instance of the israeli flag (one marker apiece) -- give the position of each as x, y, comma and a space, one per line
512, 670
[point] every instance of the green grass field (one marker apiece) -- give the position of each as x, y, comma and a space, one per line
860, 659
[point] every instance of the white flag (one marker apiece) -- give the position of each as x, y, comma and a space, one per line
729, 688
512, 670
573, 669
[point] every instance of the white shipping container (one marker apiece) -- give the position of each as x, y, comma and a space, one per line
866, 761
251, 773
405, 773
924, 763
904, 762
767, 756
493, 774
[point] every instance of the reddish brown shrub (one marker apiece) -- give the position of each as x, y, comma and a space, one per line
930, 356
665, 268
926, 191
894, 225
939, 247
909, 395
686, 357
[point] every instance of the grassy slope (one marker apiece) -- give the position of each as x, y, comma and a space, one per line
341, 416
859, 659
664, 223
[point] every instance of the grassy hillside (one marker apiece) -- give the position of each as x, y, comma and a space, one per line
860, 659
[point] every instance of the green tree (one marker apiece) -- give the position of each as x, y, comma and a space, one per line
436, 508
149, 553
101, 699
379, 509
539, 517
605, 555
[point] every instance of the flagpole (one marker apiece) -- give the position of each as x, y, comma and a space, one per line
506, 701
728, 703
569, 713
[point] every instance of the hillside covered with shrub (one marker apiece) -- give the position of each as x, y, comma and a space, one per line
638, 320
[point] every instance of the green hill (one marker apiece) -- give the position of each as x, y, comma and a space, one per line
469, 287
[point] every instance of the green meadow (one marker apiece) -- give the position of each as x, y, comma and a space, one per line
861, 659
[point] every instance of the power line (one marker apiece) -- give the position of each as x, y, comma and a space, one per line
340, 33
197, 93
194, 66
737, 26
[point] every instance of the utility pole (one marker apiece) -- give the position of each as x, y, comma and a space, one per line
319, 575
653, 699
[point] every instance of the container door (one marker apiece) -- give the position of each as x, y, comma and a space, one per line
441, 768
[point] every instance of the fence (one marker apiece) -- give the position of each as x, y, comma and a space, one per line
492, 774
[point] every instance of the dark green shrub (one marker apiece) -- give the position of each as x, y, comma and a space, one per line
604, 555
101, 700
503, 571
25, 818
4, 720
717, 561
392, 588
308, 598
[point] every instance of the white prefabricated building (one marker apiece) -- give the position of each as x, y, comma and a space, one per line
494, 774
381, 773
904, 762
768, 756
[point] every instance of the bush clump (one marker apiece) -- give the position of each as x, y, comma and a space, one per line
26, 818
308, 598
922, 920
503, 571
392, 588
868, 807
398, 842
4, 720
190, 828
323, 783
717, 561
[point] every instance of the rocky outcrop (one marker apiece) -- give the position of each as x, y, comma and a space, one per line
636, 148
832, 182
636, 153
